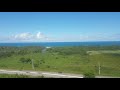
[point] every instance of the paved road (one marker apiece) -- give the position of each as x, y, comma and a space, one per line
45, 74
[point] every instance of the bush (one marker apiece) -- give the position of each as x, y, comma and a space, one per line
60, 72
36, 65
22, 60
42, 76
48, 66
25, 60
41, 61
28, 60
89, 75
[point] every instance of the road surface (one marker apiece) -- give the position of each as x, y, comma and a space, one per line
45, 74
48, 74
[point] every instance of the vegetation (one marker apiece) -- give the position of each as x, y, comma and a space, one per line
89, 74
9, 51
25, 60
18, 76
76, 59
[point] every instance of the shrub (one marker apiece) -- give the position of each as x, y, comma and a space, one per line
89, 75
24, 60
48, 66
42, 76
60, 72
56, 57
36, 65
28, 60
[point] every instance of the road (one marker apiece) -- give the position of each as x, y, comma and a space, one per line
45, 74
48, 74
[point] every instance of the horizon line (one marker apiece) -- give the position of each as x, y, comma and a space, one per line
59, 41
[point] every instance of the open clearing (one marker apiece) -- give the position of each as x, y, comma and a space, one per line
103, 52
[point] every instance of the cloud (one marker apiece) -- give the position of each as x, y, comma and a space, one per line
27, 36
40, 35
23, 36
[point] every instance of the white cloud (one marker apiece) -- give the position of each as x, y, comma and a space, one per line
40, 35
29, 37
23, 36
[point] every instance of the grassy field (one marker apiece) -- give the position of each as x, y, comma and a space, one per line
69, 60
18, 76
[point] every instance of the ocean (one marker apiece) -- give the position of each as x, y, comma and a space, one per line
59, 44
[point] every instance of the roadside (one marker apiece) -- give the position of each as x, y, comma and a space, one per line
48, 74
45, 74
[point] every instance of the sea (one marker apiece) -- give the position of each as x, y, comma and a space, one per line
59, 44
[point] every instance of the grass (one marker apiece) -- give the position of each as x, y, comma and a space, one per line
72, 63
18, 76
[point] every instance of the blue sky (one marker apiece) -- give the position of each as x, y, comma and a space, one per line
59, 26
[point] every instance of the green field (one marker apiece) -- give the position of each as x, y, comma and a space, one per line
18, 76
63, 59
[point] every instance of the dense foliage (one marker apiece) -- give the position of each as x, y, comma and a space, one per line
9, 51
81, 49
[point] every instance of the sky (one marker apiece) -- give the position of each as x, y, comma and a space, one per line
59, 26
